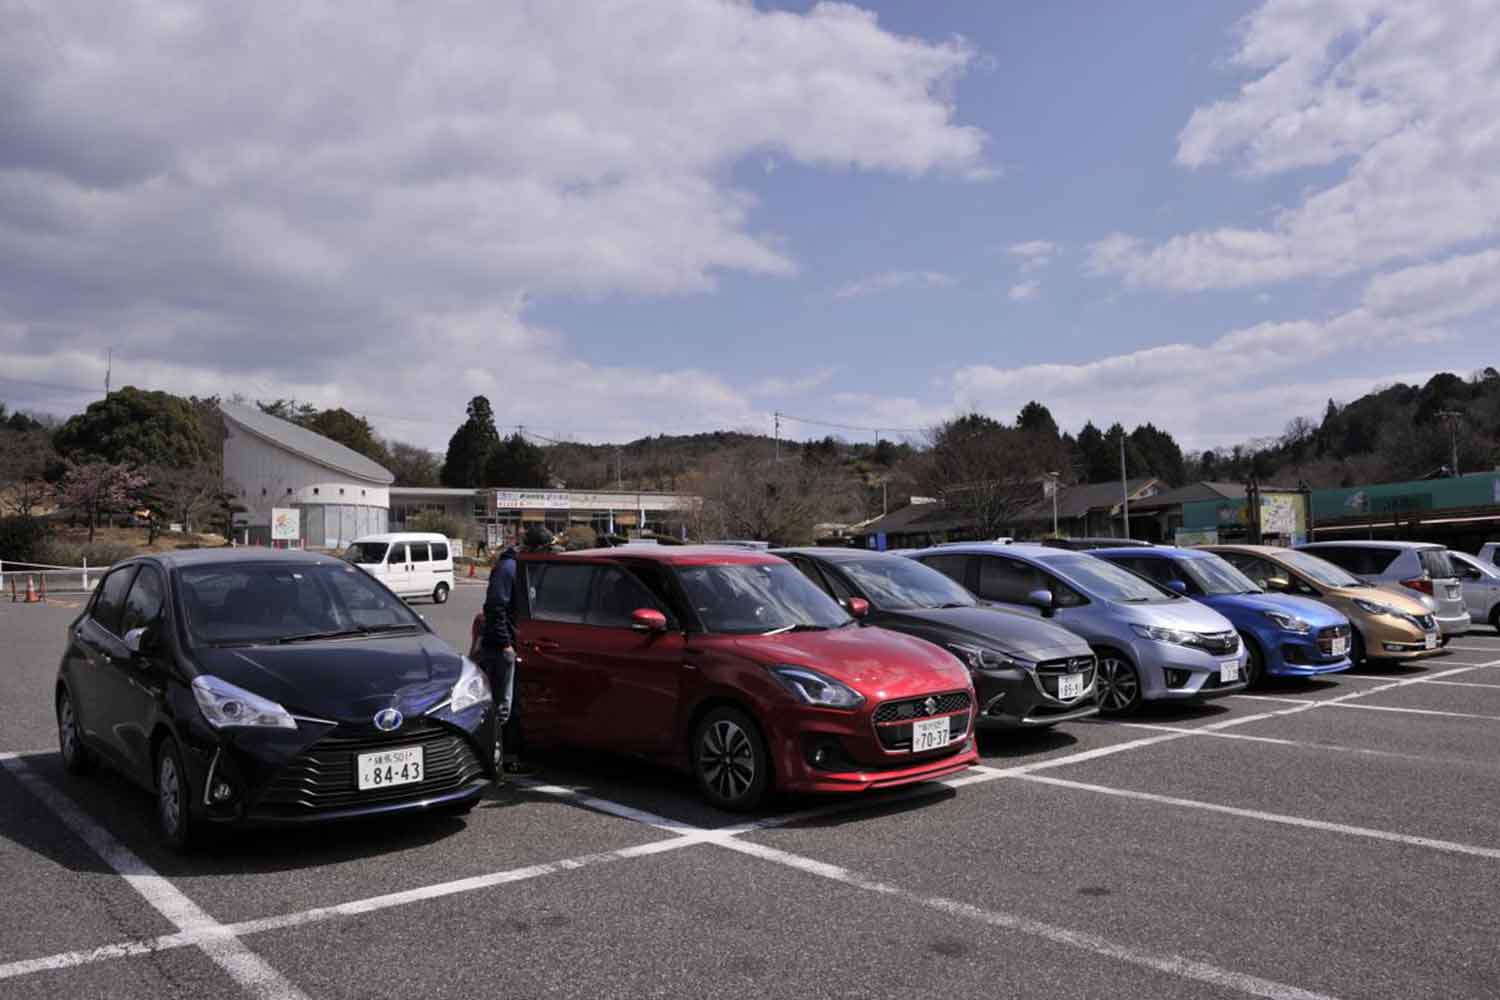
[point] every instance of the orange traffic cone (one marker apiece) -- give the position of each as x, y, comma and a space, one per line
31, 597
471, 570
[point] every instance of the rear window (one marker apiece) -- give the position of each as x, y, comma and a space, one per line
439, 551
953, 567
1357, 559
1436, 564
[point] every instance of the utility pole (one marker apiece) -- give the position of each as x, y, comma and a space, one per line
1452, 417
109, 370
619, 470
1124, 485
1052, 478
778, 435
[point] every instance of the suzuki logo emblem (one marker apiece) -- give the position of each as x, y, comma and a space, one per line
388, 720
930, 705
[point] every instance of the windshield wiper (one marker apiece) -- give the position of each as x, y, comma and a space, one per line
799, 627
343, 633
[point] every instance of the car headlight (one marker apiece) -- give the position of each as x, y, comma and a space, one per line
472, 688
979, 658
1157, 633
227, 707
1289, 622
1371, 608
812, 688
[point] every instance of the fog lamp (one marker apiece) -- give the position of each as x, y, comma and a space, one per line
1177, 678
220, 792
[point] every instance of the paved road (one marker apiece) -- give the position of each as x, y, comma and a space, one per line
1336, 838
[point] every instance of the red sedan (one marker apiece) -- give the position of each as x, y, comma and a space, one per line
732, 664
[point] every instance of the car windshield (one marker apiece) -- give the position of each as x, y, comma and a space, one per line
896, 584
1320, 571
255, 603
365, 553
746, 598
1216, 577
1106, 580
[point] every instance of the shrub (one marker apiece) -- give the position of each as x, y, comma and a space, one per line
23, 539
61, 553
579, 536
436, 521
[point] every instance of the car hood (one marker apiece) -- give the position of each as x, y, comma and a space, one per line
876, 662
1184, 614
343, 681
1315, 613
1021, 635
1402, 600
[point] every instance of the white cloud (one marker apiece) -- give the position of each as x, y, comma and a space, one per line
790, 386
300, 193
1034, 254
1024, 290
1398, 97
895, 279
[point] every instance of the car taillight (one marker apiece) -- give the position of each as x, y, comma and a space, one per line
1419, 583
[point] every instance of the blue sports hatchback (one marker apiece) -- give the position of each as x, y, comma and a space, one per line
1284, 636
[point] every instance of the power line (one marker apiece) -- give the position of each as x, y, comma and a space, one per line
853, 427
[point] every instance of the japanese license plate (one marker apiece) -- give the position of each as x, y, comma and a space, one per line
401, 766
1069, 686
929, 734
1432, 640
1229, 671
1340, 646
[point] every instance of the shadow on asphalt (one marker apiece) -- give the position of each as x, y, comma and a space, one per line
1002, 744
1190, 711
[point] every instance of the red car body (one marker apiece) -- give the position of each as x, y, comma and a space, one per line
635, 690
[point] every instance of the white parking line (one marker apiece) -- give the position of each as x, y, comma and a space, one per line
1430, 843
1174, 965
1466, 684
246, 968
1419, 711
1299, 744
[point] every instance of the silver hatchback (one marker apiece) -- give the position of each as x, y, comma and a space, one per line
1420, 568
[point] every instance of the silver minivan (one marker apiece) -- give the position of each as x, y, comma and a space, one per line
1481, 583
1412, 568
1152, 644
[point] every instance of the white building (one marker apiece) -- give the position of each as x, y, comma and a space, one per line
504, 514
272, 464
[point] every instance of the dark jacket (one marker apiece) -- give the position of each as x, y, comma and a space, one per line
500, 603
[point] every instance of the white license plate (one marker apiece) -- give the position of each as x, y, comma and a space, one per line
1432, 640
1340, 646
929, 734
402, 766
1229, 672
1454, 593
1069, 686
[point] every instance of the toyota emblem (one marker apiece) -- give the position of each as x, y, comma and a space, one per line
388, 720
930, 705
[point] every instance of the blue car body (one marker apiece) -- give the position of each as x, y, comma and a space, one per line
1294, 636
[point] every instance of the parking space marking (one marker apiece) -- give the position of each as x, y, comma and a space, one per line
1174, 965
1431, 843
247, 969
1299, 744
1271, 697
1466, 684
1418, 711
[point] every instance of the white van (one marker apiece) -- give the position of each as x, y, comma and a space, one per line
411, 563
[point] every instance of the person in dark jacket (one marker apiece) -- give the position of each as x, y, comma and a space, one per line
497, 645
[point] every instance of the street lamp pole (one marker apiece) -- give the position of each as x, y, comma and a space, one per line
1053, 477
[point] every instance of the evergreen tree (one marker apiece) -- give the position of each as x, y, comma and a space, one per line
470, 446
517, 463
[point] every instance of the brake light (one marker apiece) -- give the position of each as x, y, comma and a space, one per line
1419, 583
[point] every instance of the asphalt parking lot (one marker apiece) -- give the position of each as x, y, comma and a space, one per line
1336, 838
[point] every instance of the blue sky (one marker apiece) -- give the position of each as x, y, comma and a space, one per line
656, 216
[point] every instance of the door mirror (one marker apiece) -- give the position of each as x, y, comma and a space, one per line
1177, 586
858, 607
1041, 599
141, 641
648, 620
1278, 584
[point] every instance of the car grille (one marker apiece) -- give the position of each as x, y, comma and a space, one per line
1427, 622
324, 776
893, 719
1327, 635
1048, 671
1217, 642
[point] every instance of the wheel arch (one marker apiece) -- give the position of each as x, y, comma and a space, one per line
719, 700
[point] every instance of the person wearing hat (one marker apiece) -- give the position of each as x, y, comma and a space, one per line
497, 645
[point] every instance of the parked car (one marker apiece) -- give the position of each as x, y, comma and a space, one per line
731, 664
1087, 544
411, 563
1153, 644
1420, 567
1481, 584
1027, 673
1284, 636
255, 687
1387, 626
1489, 552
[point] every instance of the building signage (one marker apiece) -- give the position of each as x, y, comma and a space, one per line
286, 524
574, 500
1197, 536
1278, 514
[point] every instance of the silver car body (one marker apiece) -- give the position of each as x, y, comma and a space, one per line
1481, 583
1399, 565
1490, 553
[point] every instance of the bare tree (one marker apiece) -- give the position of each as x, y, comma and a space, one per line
94, 488
989, 472
748, 494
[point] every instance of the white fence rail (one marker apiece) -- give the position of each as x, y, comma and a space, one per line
16, 577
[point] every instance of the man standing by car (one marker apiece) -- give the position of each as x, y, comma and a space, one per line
497, 645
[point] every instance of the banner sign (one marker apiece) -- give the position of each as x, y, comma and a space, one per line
286, 524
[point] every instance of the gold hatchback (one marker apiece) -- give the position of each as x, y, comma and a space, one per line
1387, 626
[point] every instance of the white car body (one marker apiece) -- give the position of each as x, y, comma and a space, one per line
1481, 583
410, 563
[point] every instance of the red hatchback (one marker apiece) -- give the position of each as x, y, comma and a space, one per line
732, 664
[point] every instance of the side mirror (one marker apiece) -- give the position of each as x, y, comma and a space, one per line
1278, 584
648, 620
1178, 586
141, 641
1041, 599
859, 607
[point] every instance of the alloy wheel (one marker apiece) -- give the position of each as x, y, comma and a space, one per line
726, 760
1119, 688
1254, 668
67, 730
169, 795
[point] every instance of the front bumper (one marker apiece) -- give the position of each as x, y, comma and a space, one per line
1290, 654
1454, 625
1019, 698
1171, 672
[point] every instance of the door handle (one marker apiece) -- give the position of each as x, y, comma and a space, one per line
542, 645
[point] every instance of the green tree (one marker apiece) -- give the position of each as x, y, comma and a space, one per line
1036, 418
413, 466
1159, 454
136, 427
516, 462
470, 446
351, 431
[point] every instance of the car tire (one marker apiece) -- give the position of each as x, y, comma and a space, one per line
1119, 684
730, 760
1255, 662
440, 594
174, 798
1357, 654
1495, 617
76, 757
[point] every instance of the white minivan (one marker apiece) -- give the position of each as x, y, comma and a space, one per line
411, 563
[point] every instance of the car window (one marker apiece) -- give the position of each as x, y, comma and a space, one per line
617, 595
743, 598
1258, 570
1105, 580
1358, 560
397, 554
896, 584
1063, 596
1160, 570
954, 567
365, 553
143, 605
439, 551
418, 552
1436, 564
110, 604
1007, 580
560, 591
806, 567
840, 590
